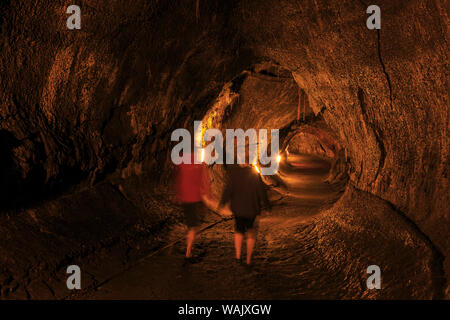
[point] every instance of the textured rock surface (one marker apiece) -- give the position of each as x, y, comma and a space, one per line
37, 244
364, 230
85, 103
293, 259
80, 106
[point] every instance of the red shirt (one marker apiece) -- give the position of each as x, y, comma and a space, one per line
191, 182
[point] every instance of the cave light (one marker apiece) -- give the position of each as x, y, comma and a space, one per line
255, 166
202, 157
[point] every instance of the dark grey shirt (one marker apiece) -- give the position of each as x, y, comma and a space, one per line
246, 192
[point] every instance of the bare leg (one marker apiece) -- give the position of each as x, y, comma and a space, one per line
238, 237
251, 240
190, 241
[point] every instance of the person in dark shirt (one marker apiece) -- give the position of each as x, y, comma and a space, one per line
247, 196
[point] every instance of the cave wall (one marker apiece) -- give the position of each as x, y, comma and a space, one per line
100, 103
79, 105
385, 93
86, 103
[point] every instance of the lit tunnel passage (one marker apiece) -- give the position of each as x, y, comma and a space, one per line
86, 119
311, 166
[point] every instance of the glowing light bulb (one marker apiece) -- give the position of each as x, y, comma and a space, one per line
278, 158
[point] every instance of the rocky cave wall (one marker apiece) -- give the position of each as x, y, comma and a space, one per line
81, 109
308, 143
77, 106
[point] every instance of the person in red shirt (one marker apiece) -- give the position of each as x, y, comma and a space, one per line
191, 187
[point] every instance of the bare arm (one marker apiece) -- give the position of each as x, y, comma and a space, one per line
208, 200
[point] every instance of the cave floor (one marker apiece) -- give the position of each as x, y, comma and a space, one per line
284, 268
285, 264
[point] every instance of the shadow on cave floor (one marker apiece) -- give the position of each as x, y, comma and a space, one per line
285, 267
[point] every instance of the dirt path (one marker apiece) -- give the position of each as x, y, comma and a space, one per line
285, 264
279, 260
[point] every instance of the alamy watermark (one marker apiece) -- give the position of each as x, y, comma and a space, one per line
74, 280
213, 152
374, 20
74, 21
